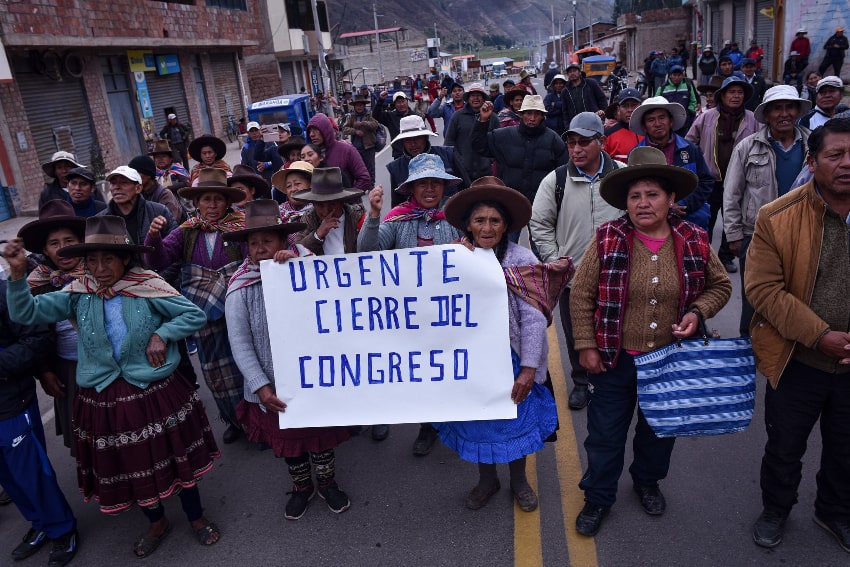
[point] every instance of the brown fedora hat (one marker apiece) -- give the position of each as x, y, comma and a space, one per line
161, 147
488, 188
645, 161
212, 180
105, 232
327, 186
360, 98
52, 215
246, 175
217, 144
263, 215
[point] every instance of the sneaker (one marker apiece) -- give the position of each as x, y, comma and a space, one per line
336, 499
730, 266
380, 432
31, 543
767, 531
838, 528
191, 346
64, 550
231, 434
298, 502
425, 440
578, 397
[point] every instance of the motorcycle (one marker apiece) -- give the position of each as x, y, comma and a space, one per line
641, 84
616, 83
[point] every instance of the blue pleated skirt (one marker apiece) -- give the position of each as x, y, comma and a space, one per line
504, 440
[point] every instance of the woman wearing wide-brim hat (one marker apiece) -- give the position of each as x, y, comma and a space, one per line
198, 245
57, 169
130, 321
644, 282
288, 150
486, 213
332, 223
57, 227
291, 180
254, 186
208, 151
509, 116
303, 448
418, 221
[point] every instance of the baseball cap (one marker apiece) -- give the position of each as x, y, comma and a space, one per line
748, 61
125, 171
573, 66
677, 69
284, 126
586, 124
830, 81
172, 116
794, 53
399, 95
252, 125
628, 94
82, 172
494, 87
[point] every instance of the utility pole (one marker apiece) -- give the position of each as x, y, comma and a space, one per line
555, 56
590, 21
324, 80
377, 40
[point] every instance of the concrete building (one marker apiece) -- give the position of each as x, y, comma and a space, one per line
99, 79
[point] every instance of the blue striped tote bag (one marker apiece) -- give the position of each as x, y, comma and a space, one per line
702, 386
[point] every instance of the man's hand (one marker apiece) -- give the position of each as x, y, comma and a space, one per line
836, 344
735, 245
157, 224
486, 112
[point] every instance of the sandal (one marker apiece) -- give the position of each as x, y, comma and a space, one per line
146, 544
205, 533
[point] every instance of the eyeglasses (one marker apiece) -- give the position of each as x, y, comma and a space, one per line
582, 142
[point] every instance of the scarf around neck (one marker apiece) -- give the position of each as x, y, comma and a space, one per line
137, 282
540, 285
44, 274
410, 210
232, 221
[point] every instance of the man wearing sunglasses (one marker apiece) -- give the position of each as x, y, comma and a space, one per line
566, 212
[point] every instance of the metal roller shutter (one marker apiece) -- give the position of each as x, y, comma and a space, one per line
717, 30
58, 113
287, 74
166, 91
764, 35
739, 18
226, 86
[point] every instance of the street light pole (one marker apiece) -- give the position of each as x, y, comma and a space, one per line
323, 65
377, 40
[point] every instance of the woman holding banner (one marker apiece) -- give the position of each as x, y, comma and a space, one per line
418, 221
247, 328
486, 213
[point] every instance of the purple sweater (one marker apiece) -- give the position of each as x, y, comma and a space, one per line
527, 325
170, 250
341, 154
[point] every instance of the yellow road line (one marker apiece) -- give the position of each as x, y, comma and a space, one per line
528, 546
581, 549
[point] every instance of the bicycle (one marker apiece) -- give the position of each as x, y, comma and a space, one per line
231, 127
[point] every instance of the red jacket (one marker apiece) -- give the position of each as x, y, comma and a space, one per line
802, 46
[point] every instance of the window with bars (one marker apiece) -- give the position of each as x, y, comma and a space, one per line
241, 5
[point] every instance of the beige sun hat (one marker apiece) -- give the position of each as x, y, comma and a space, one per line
676, 110
533, 102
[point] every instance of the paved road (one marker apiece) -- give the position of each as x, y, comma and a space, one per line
409, 511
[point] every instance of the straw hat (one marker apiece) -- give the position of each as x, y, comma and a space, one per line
52, 215
104, 232
327, 186
217, 144
262, 215
212, 180
645, 161
488, 188
303, 167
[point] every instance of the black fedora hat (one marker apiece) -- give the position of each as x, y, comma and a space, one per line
54, 214
293, 143
104, 232
263, 215
327, 185
217, 144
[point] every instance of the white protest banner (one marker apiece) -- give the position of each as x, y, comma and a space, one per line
400, 336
